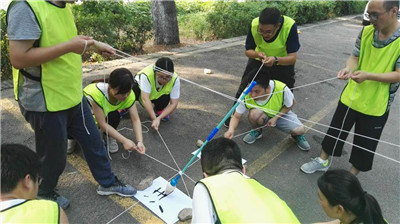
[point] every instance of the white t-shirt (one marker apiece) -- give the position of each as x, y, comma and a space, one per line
288, 98
10, 203
145, 86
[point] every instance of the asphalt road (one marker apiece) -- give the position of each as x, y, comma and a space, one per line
273, 160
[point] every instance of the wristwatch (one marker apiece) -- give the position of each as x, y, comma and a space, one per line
276, 60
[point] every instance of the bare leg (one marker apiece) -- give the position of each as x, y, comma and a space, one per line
354, 170
324, 155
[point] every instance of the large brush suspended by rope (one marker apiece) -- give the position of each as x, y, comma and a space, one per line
172, 184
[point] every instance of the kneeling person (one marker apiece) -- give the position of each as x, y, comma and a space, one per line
160, 86
109, 97
227, 195
270, 103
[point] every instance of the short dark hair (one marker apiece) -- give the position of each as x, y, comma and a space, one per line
270, 16
121, 79
166, 64
16, 162
220, 154
389, 4
262, 78
342, 187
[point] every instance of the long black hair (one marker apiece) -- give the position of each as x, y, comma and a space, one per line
342, 187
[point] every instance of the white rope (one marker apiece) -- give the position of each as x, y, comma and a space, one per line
130, 207
337, 138
235, 99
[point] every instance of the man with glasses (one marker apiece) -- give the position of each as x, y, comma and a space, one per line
20, 180
273, 41
373, 71
159, 90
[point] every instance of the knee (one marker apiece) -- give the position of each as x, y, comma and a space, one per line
298, 131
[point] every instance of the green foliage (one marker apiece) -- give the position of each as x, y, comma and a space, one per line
230, 18
6, 72
125, 26
184, 7
194, 25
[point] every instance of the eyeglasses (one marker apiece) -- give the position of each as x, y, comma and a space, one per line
164, 77
39, 180
374, 15
266, 32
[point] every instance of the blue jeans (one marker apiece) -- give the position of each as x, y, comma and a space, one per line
51, 131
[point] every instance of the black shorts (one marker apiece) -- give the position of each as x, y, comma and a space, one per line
365, 125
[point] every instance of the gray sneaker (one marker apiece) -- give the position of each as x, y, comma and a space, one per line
54, 196
316, 164
124, 190
252, 136
301, 142
113, 145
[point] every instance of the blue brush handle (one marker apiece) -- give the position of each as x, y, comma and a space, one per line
175, 180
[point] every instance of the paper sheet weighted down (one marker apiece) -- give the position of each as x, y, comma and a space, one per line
165, 207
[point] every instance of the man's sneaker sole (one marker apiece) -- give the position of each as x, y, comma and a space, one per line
106, 193
258, 137
322, 170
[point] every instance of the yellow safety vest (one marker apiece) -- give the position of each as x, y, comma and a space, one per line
61, 78
278, 46
274, 105
238, 199
371, 97
165, 90
100, 99
32, 211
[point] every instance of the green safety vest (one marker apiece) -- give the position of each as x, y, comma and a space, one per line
278, 46
100, 99
165, 90
238, 199
371, 97
32, 211
61, 78
274, 105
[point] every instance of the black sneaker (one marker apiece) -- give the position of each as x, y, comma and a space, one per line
227, 121
54, 196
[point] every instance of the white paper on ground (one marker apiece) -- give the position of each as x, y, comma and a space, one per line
199, 156
168, 207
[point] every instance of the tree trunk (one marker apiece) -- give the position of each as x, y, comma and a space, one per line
165, 23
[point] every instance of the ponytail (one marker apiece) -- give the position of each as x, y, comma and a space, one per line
372, 210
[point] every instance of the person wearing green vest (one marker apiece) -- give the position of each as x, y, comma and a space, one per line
159, 90
273, 41
45, 52
373, 74
106, 99
270, 104
20, 180
227, 195
342, 197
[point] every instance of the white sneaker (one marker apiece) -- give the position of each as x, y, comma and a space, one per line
113, 145
71, 146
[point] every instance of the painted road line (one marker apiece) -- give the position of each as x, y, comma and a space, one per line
265, 159
138, 212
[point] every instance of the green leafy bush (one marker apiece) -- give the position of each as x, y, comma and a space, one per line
124, 26
6, 72
194, 25
231, 18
